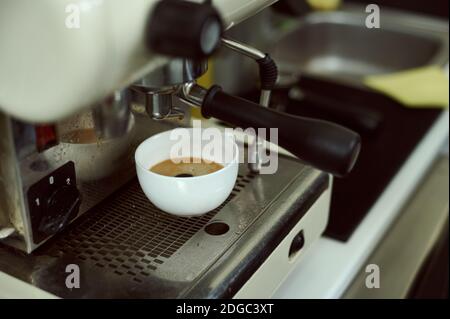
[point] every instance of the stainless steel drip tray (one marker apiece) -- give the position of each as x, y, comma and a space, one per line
127, 248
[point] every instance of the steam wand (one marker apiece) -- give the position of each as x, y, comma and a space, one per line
268, 76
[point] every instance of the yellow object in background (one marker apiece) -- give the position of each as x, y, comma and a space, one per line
324, 5
421, 87
206, 80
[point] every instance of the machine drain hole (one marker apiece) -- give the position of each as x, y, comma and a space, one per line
297, 244
217, 228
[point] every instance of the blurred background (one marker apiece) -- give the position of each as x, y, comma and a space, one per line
390, 84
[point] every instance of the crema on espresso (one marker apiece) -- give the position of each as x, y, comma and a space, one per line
185, 167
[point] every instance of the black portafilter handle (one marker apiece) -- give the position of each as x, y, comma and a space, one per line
324, 145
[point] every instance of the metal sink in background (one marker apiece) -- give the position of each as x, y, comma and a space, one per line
338, 44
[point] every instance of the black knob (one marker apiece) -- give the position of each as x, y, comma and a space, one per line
184, 29
62, 206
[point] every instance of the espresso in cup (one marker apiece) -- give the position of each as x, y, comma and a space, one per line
185, 167
211, 170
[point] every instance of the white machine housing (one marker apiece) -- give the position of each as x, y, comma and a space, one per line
59, 56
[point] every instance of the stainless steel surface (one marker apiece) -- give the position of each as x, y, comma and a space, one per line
232, 270
112, 116
224, 71
173, 72
337, 45
108, 161
125, 247
156, 91
264, 98
6, 232
410, 240
159, 99
97, 158
193, 94
256, 154
21, 166
255, 157
244, 49
159, 104
12, 206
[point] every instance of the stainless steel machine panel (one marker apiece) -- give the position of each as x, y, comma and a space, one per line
127, 248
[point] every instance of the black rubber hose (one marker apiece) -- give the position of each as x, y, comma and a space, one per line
268, 72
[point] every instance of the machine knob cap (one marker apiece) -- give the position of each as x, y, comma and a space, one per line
184, 29
62, 206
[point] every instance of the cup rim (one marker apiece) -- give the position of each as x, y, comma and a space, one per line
148, 171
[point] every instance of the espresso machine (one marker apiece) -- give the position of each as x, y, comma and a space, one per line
75, 103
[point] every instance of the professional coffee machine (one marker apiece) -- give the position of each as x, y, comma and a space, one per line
123, 245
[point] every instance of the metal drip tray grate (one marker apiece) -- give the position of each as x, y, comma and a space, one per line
128, 236
126, 248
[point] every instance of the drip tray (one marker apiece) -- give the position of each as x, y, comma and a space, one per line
130, 237
126, 248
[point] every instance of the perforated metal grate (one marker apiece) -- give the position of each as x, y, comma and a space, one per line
129, 236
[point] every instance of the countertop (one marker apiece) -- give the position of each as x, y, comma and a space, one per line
327, 269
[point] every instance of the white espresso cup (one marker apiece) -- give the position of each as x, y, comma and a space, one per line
188, 196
